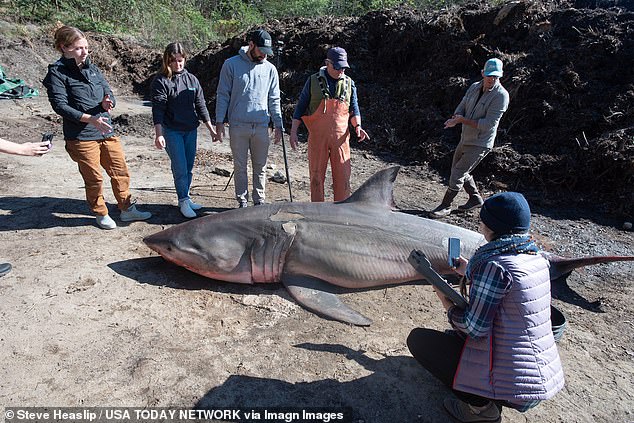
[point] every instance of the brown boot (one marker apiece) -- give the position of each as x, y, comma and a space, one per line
444, 209
475, 199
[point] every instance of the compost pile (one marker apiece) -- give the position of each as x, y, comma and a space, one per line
568, 135
128, 65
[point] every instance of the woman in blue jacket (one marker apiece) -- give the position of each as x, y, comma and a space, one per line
178, 104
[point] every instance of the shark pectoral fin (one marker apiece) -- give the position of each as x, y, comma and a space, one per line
311, 293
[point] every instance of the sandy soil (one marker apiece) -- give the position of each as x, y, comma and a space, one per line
94, 318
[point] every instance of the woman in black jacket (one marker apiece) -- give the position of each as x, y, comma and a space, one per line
79, 93
178, 105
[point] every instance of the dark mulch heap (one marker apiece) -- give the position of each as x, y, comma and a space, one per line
568, 134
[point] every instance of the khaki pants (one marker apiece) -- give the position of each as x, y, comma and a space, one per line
245, 138
91, 156
465, 159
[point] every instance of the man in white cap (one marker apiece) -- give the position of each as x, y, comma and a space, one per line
328, 106
479, 112
248, 97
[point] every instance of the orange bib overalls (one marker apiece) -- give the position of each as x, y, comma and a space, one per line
328, 137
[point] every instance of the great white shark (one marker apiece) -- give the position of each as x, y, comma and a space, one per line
362, 242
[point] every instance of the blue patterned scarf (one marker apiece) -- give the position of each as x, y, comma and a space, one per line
507, 244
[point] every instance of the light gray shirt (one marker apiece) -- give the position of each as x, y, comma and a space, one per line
248, 92
487, 110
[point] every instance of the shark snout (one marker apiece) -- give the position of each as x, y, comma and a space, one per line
175, 247
159, 242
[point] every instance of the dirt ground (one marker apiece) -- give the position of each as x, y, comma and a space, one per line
94, 318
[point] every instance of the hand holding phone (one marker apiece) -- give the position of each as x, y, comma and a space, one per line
48, 137
418, 260
453, 252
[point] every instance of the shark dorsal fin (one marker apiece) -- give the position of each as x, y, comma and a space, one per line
377, 190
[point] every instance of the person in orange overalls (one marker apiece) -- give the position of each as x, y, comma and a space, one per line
326, 105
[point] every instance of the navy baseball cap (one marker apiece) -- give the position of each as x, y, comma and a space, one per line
338, 57
262, 40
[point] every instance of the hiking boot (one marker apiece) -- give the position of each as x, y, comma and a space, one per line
194, 206
444, 209
132, 214
440, 212
106, 222
462, 412
475, 201
186, 209
4, 268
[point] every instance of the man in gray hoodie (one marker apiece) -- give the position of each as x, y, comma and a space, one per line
248, 97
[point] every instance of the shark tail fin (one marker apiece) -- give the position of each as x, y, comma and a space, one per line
561, 266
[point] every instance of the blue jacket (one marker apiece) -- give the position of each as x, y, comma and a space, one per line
73, 92
248, 92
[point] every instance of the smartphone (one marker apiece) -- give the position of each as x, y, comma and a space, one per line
48, 137
453, 252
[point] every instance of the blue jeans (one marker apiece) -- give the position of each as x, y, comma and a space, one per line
181, 149
465, 159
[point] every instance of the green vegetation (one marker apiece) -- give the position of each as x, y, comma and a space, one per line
195, 22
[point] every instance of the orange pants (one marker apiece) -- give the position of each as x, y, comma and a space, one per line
329, 138
91, 156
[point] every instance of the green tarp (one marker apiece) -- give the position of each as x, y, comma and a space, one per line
14, 87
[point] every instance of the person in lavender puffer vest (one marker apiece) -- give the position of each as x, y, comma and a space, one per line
501, 351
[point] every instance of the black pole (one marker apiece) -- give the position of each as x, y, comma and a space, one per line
280, 46
229, 181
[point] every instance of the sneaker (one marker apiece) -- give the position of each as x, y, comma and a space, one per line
259, 203
194, 206
132, 214
473, 202
4, 268
462, 412
243, 204
186, 209
106, 222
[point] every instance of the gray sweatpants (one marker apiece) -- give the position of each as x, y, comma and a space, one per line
465, 159
253, 138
